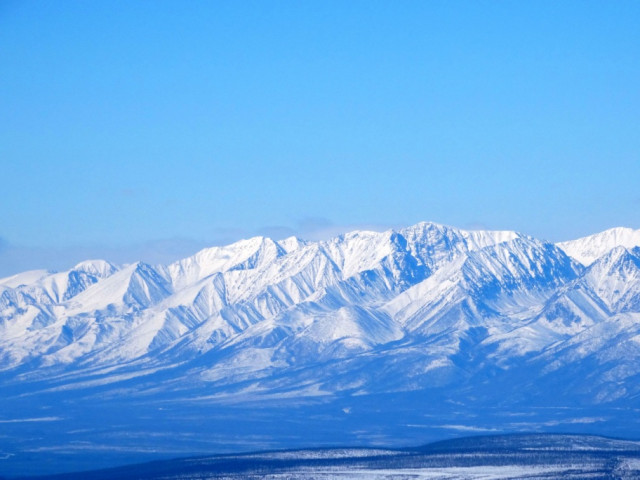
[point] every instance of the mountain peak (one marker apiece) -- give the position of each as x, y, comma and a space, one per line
99, 268
587, 249
292, 243
244, 254
616, 260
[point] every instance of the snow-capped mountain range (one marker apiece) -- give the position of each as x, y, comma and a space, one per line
428, 306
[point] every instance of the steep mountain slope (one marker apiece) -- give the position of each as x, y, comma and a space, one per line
424, 306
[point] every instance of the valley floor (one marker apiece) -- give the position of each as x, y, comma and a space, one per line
532, 456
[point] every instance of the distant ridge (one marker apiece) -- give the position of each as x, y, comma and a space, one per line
489, 457
364, 312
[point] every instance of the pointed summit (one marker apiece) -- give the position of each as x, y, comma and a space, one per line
244, 254
587, 249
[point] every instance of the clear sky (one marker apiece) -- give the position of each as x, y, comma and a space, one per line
147, 129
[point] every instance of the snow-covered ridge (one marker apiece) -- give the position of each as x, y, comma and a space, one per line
588, 249
365, 311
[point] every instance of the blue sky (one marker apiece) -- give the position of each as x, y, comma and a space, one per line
149, 129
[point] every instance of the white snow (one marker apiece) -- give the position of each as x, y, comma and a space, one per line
303, 314
587, 249
25, 278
